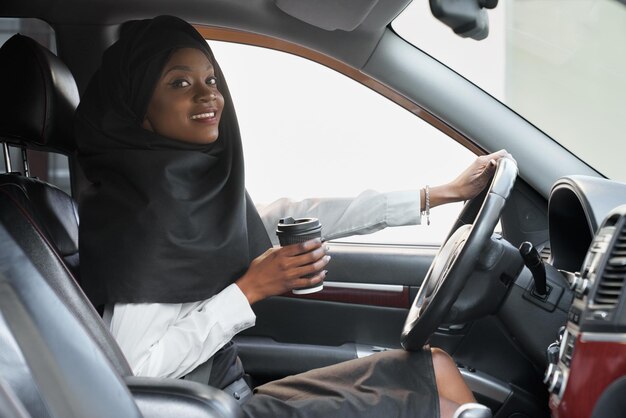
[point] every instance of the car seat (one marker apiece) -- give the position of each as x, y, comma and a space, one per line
72, 376
10, 406
38, 101
36, 112
37, 105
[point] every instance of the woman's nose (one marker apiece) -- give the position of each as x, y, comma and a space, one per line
206, 94
210, 97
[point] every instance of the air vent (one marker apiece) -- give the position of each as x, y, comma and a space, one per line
612, 280
545, 253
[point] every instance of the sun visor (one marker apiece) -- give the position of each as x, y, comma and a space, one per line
329, 14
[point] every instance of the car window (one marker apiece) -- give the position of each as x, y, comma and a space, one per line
49, 167
560, 64
309, 131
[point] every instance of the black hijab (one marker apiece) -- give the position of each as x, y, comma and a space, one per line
164, 220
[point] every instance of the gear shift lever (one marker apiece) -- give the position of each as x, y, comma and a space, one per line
535, 264
472, 410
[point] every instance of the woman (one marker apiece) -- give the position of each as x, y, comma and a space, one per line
171, 244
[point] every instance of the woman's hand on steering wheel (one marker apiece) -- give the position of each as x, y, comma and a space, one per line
476, 177
457, 257
469, 183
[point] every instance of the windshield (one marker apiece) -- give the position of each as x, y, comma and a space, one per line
560, 64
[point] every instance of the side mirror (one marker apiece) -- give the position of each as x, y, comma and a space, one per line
467, 18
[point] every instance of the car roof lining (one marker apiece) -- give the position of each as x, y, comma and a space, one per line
259, 16
329, 14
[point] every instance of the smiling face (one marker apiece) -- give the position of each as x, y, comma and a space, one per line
186, 104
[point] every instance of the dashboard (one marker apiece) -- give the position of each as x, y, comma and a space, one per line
586, 374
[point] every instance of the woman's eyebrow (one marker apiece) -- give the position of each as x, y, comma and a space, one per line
185, 68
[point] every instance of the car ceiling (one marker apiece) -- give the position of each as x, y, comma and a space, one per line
361, 22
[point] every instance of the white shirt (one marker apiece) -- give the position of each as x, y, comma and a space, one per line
170, 340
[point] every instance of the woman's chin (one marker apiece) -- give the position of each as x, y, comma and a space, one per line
200, 139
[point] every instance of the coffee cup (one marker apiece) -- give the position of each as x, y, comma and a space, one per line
293, 231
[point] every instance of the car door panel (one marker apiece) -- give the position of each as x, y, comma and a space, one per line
361, 310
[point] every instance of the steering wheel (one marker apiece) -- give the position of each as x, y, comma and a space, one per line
457, 258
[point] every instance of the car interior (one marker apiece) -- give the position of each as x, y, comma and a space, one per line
533, 314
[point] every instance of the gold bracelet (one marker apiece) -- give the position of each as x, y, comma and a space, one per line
426, 211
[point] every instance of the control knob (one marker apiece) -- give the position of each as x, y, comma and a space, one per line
574, 280
549, 372
556, 382
582, 288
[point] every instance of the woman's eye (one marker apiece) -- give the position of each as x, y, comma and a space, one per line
180, 83
211, 81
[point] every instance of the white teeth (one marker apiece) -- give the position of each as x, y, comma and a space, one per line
204, 115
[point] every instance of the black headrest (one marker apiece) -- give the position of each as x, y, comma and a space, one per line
38, 97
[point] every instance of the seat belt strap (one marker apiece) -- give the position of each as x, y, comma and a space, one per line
202, 373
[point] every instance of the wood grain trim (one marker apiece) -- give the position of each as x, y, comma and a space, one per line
340, 294
595, 365
231, 35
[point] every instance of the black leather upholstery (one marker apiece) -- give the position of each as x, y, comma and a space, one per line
51, 209
167, 398
37, 98
37, 104
10, 405
71, 375
42, 218
17, 216
16, 374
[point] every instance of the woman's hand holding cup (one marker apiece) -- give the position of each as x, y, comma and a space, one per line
279, 270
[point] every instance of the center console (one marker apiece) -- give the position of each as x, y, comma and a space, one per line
590, 354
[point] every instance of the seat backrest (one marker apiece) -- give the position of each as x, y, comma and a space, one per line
52, 210
74, 378
36, 111
10, 405
66, 373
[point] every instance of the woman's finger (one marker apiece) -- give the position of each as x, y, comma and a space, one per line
311, 268
307, 258
302, 247
302, 282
